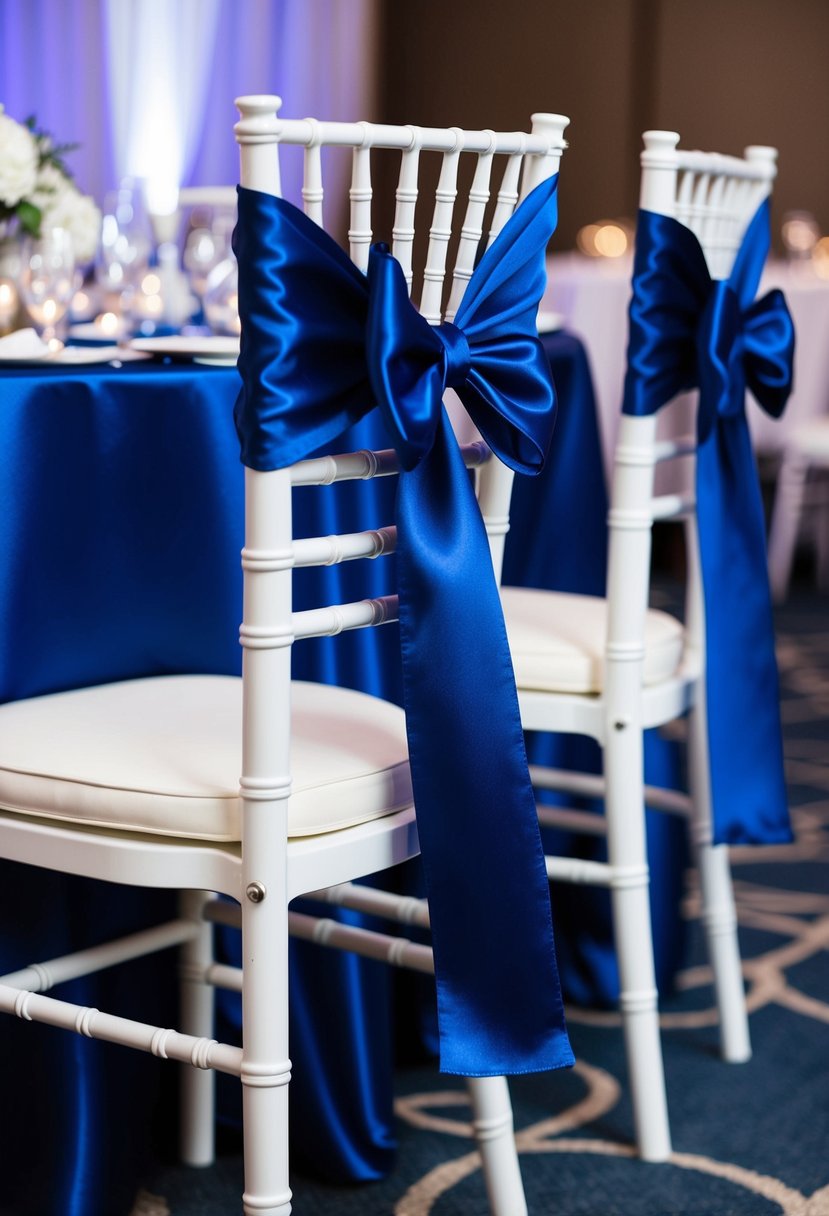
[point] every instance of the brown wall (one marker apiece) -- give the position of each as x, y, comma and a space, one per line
736, 72
724, 73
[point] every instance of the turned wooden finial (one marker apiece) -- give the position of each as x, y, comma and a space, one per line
257, 133
659, 169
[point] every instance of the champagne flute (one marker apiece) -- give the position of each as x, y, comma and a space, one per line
47, 281
123, 255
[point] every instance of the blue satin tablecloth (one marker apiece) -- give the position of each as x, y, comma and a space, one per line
121, 559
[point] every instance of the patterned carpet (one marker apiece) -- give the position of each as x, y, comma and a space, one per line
750, 1140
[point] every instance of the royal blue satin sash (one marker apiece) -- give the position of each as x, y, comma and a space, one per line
686, 331
322, 344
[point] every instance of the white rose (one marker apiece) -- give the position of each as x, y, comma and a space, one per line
18, 161
78, 214
50, 184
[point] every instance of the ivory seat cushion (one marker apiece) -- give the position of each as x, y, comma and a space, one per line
163, 755
557, 641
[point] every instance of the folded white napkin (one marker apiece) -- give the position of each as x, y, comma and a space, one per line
23, 344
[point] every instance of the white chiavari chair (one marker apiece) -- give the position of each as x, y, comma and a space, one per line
138, 782
612, 668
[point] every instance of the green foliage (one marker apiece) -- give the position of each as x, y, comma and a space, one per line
29, 217
27, 214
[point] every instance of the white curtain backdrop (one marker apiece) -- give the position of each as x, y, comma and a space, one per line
146, 87
159, 60
319, 56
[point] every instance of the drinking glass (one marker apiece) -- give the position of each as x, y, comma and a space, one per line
47, 280
206, 246
126, 243
221, 298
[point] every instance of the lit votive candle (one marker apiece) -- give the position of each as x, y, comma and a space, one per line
8, 304
108, 324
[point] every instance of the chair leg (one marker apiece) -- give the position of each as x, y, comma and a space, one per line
634, 940
720, 920
822, 537
494, 1135
785, 524
719, 915
196, 998
266, 1069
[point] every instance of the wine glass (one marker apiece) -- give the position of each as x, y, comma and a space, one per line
221, 298
47, 280
201, 254
124, 251
206, 246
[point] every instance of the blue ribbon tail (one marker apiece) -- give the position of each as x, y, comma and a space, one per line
499, 1000
748, 786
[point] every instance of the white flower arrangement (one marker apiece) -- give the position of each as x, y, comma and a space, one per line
37, 190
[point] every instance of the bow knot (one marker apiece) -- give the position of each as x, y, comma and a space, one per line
407, 361
720, 352
491, 355
688, 330
742, 348
458, 357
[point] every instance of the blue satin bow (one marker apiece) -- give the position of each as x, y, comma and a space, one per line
687, 330
322, 344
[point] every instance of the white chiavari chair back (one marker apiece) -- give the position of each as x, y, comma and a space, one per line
612, 668
507, 166
712, 194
